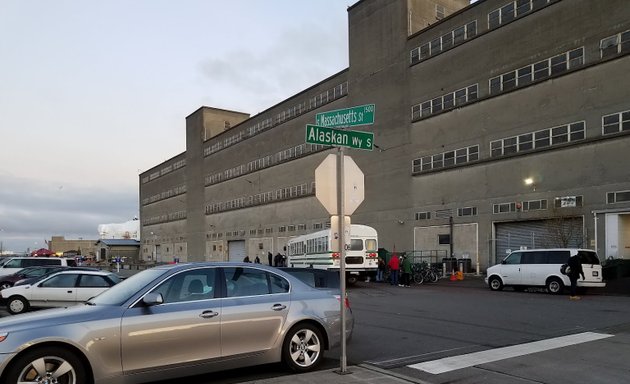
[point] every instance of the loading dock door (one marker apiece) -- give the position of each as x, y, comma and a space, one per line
236, 250
553, 233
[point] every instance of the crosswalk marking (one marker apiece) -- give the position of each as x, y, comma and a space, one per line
448, 364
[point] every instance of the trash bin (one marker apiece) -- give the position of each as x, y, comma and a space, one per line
464, 265
450, 264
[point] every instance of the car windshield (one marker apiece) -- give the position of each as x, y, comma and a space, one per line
121, 292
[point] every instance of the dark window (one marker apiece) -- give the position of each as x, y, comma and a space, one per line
558, 257
522, 7
444, 239
494, 19
536, 257
65, 280
436, 105
447, 41
611, 124
449, 158
278, 284
524, 76
558, 64
507, 13
459, 35
246, 282
198, 284
625, 41
576, 131
541, 138
449, 101
93, 281
588, 257
509, 145
576, 58
356, 245
435, 46
438, 160
513, 258
460, 97
509, 81
541, 70
495, 85
471, 29
525, 142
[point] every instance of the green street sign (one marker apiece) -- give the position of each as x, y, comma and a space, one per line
337, 137
348, 117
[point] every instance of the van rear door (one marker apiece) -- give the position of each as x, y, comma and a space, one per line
592, 269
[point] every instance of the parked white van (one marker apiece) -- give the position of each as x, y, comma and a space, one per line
14, 264
541, 268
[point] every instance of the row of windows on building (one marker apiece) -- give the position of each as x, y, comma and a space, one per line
286, 193
531, 73
173, 216
172, 192
265, 162
521, 77
503, 15
268, 231
166, 169
445, 102
312, 103
526, 206
560, 135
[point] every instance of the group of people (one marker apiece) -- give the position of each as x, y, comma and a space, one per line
400, 270
275, 261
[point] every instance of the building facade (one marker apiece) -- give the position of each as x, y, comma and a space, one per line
499, 125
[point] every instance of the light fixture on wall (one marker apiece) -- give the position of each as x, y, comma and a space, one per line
530, 182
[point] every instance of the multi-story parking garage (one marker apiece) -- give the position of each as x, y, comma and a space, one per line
499, 125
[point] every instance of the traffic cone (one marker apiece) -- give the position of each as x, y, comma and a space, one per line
460, 275
453, 277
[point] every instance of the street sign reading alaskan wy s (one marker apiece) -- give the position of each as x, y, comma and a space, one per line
347, 117
340, 138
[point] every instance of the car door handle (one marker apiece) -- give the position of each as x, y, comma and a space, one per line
208, 314
278, 307
69, 291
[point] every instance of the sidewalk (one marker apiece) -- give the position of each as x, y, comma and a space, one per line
355, 374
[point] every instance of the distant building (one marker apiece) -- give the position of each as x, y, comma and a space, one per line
59, 244
125, 249
498, 125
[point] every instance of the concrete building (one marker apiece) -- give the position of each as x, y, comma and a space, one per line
60, 244
499, 125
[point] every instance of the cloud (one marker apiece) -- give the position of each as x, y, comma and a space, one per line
32, 211
265, 75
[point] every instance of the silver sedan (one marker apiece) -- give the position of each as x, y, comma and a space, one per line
175, 321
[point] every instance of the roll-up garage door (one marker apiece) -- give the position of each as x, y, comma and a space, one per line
236, 250
552, 233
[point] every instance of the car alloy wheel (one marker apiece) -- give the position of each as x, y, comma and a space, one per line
496, 284
48, 365
303, 349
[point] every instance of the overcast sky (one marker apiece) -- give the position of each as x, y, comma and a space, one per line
94, 92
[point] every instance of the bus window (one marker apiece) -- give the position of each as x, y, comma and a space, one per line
370, 245
356, 245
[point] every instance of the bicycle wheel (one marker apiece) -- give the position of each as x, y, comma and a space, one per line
433, 276
418, 278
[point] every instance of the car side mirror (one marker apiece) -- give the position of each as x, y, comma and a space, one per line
153, 298
503, 262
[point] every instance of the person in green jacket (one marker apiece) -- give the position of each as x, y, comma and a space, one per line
406, 270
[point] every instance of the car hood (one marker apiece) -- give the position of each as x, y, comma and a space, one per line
57, 316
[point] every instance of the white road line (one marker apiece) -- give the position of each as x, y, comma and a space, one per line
464, 361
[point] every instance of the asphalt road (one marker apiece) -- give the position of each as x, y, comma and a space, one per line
397, 327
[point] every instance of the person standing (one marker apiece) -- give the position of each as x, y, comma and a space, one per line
406, 272
380, 270
257, 260
270, 258
394, 266
575, 270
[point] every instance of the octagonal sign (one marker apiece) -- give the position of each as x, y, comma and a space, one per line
326, 185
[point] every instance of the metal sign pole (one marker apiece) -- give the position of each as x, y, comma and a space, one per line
342, 254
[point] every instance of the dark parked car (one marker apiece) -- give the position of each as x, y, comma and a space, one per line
318, 278
27, 273
33, 279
